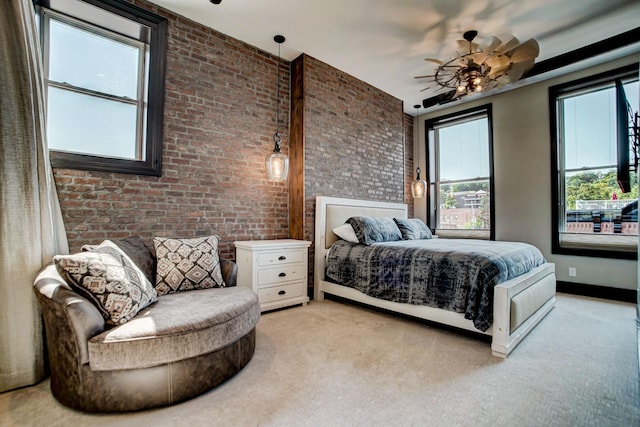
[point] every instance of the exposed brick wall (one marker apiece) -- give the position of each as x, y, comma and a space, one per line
354, 136
219, 119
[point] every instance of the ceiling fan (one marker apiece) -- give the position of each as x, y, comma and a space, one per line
479, 68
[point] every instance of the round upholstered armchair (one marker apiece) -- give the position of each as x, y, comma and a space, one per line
180, 346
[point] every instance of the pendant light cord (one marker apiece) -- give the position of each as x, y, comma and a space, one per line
276, 137
278, 94
418, 170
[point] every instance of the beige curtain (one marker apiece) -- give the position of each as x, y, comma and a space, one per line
30, 220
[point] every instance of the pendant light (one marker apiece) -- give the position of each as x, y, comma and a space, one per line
419, 185
277, 162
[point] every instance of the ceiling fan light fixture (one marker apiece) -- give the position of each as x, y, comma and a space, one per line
476, 69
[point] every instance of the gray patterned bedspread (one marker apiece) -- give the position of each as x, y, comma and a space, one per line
454, 274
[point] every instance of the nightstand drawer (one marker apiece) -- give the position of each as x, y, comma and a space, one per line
276, 293
281, 274
281, 257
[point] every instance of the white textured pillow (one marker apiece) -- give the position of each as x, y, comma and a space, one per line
345, 232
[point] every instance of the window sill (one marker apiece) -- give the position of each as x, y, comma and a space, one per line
610, 242
597, 245
463, 234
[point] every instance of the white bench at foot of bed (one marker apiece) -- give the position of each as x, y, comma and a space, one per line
519, 305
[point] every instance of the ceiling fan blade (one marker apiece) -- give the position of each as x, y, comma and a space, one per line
499, 70
493, 45
490, 84
526, 51
462, 46
509, 45
516, 71
479, 57
437, 61
502, 80
497, 62
465, 47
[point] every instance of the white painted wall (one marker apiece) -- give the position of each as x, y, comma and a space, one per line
522, 173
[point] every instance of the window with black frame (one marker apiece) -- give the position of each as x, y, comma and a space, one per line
460, 160
595, 181
104, 80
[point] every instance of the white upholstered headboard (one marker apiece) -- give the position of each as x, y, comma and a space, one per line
332, 212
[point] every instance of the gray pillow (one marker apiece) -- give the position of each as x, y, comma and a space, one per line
413, 229
143, 257
140, 254
373, 230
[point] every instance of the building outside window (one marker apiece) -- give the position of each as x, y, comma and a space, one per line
104, 80
459, 151
592, 214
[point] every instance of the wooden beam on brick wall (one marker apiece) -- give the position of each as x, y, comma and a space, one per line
296, 151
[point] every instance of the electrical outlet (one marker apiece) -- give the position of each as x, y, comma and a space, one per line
572, 272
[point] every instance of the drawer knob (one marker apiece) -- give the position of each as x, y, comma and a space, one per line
282, 274
282, 292
282, 258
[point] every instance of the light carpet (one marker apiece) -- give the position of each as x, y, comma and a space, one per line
336, 364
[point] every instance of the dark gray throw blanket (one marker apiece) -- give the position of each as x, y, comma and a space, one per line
454, 274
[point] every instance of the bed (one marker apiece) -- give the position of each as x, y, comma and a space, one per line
518, 305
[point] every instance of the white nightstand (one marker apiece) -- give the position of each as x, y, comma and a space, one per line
274, 269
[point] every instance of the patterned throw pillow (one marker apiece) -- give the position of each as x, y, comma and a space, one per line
187, 264
372, 230
413, 229
109, 279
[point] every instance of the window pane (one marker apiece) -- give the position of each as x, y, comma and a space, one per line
590, 129
90, 125
463, 150
632, 92
593, 201
594, 204
91, 61
464, 206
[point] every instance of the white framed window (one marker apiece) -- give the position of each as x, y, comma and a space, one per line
593, 215
104, 80
460, 159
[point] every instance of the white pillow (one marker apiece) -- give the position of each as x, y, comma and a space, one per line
345, 232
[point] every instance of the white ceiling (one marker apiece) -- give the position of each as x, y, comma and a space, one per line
384, 42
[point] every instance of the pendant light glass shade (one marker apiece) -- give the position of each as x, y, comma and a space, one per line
277, 162
418, 186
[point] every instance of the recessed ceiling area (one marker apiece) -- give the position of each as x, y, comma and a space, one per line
385, 42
